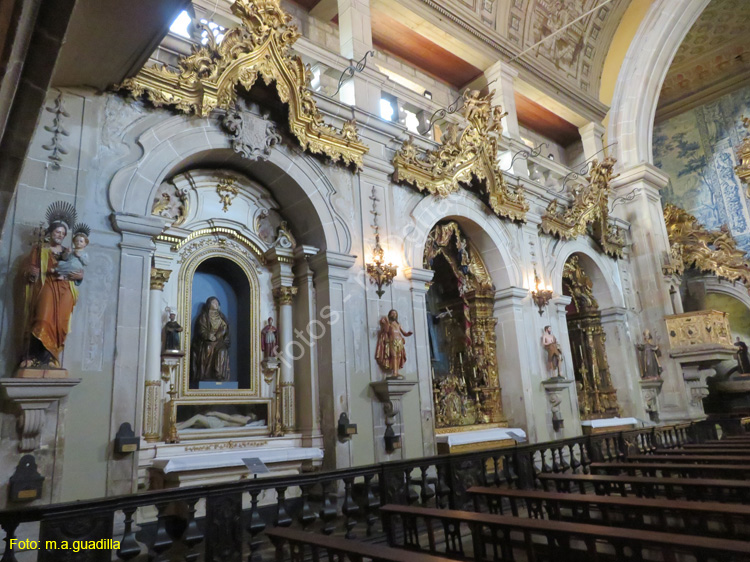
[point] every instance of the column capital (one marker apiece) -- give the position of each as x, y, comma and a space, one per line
418, 276
592, 128
284, 295
511, 294
159, 278
501, 68
333, 265
645, 173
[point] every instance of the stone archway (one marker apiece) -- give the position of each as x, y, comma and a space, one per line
639, 82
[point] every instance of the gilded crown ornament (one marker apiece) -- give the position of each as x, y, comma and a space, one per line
588, 212
464, 156
208, 79
713, 251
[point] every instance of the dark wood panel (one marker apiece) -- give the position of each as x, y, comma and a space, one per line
540, 119
398, 39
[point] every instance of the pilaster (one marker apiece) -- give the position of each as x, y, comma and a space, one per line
501, 82
591, 136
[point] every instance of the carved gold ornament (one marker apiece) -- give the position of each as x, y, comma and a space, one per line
589, 212
227, 191
713, 251
743, 155
699, 328
463, 156
208, 79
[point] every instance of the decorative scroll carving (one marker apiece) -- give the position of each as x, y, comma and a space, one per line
743, 155
463, 156
713, 251
589, 212
700, 328
170, 202
208, 79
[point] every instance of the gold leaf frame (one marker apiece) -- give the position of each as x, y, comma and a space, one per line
589, 209
712, 251
478, 299
261, 46
206, 248
463, 156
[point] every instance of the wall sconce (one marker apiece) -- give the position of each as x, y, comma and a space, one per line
540, 295
346, 429
381, 274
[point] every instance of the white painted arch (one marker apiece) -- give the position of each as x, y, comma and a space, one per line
631, 119
176, 144
491, 236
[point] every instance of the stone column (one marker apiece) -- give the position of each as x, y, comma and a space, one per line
591, 137
355, 40
420, 279
136, 251
280, 261
514, 352
638, 187
152, 402
308, 330
284, 296
623, 361
500, 79
331, 291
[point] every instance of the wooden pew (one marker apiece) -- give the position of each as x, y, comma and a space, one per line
704, 489
740, 446
338, 548
710, 459
705, 451
723, 520
690, 470
493, 537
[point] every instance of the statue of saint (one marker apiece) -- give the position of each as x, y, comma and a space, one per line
743, 360
649, 354
268, 340
215, 420
51, 290
390, 352
172, 331
210, 349
554, 355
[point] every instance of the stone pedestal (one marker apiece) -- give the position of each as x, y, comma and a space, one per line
650, 389
390, 392
557, 390
697, 364
33, 397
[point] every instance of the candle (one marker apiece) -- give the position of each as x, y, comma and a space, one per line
460, 359
580, 350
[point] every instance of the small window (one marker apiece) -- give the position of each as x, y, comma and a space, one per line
386, 109
180, 25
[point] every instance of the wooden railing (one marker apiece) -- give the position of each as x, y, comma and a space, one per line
226, 522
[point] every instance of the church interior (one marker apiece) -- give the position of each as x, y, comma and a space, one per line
375, 280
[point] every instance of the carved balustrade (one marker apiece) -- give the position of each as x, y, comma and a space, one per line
227, 521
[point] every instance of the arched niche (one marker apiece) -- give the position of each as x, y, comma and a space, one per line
212, 266
223, 279
296, 180
583, 282
495, 240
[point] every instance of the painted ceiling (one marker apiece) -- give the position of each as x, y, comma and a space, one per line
714, 58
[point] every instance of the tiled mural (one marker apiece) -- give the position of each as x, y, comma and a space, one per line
698, 151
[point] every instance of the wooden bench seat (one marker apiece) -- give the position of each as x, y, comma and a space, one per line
724, 520
705, 489
493, 537
732, 471
736, 446
338, 548
710, 459
705, 451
